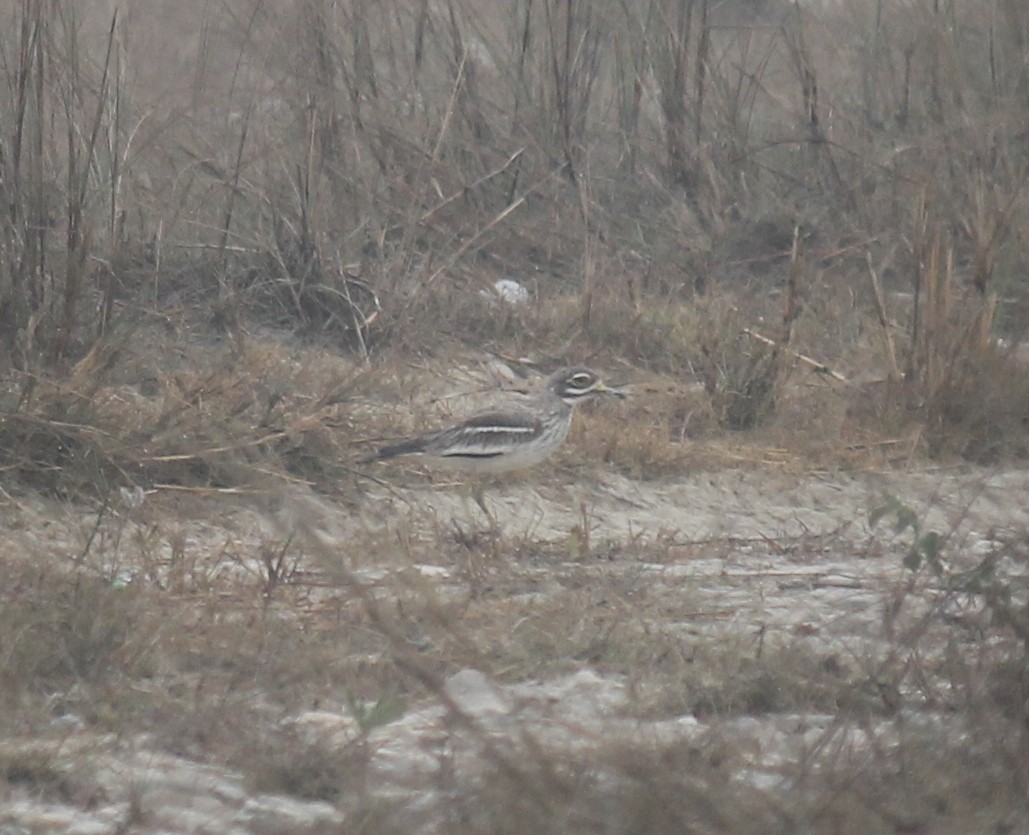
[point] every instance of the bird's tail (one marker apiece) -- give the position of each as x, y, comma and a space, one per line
409, 447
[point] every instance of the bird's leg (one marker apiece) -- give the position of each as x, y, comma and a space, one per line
473, 542
480, 500
475, 490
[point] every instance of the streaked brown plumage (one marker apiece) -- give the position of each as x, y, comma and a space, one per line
513, 437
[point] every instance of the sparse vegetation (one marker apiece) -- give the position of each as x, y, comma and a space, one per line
241, 241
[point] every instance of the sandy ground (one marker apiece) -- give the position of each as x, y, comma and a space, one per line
758, 552
739, 504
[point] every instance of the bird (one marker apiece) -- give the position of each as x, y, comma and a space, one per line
513, 437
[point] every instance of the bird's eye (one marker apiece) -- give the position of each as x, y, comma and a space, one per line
582, 379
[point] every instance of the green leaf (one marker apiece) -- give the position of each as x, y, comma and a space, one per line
905, 519
913, 559
876, 514
930, 544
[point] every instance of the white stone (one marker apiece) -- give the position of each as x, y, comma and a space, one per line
268, 814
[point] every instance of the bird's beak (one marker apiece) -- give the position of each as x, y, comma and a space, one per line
617, 392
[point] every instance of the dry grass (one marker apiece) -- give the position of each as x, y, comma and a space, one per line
234, 254
206, 656
210, 670
364, 199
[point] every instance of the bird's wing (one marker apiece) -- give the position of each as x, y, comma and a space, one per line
486, 435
